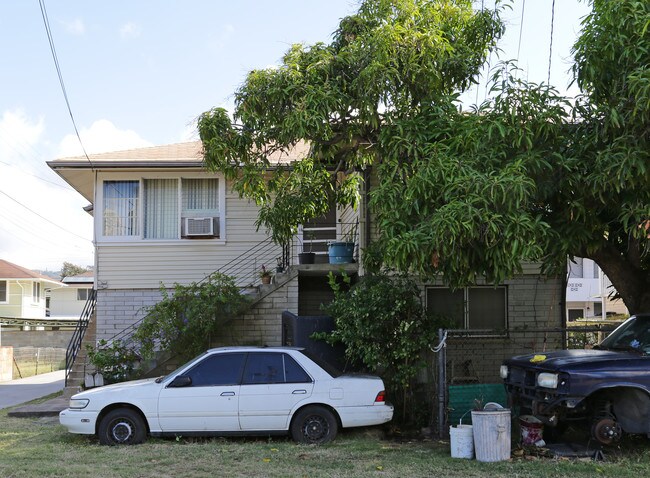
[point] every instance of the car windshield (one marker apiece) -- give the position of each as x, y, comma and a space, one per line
632, 335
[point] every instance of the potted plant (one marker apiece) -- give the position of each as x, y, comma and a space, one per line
307, 257
265, 275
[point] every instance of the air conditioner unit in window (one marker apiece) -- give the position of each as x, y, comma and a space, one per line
198, 226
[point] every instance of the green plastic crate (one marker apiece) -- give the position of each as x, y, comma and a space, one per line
462, 399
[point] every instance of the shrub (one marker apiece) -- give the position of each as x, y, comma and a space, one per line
383, 325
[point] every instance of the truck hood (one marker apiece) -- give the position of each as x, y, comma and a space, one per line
572, 359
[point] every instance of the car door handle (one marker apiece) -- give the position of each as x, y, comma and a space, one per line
299, 392
228, 394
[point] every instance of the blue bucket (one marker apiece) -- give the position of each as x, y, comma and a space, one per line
341, 252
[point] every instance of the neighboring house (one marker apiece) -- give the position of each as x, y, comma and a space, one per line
589, 292
22, 292
69, 302
161, 218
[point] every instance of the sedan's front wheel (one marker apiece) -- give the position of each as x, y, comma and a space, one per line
314, 425
122, 426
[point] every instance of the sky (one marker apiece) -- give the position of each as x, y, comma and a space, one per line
138, 73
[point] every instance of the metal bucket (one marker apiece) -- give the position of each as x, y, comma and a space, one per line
462, 441
491, 434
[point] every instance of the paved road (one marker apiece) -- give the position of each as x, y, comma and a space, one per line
15, 392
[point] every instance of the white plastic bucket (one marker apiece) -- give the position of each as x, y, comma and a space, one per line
491, 434
462, 441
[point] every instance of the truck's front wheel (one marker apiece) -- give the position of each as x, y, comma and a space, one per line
606, 430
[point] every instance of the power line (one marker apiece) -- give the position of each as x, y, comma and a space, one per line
58, 70
44, 218
67, 188
550, 49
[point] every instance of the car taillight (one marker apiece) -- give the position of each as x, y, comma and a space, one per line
381, 397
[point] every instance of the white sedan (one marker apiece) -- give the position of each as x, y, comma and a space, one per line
233, 391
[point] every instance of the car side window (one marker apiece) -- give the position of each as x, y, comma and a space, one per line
217, 369
294, 373
269, 367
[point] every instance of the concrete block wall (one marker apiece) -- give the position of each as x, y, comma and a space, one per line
37, 338
534, 308
262, 325
118, 309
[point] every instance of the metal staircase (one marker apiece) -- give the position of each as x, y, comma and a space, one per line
74, 346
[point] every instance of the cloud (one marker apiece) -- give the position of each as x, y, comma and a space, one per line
42, 223
101, 137
75, 27
19, 136
130, 30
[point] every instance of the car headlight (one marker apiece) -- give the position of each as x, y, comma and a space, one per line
503, 371
547, 380
78, 403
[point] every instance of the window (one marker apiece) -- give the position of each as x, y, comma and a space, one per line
121, 208
271, 367
82, 294
3, 291
478, 308
218, 369
36, 292
170, 208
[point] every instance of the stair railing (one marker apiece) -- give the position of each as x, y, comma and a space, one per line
74, 346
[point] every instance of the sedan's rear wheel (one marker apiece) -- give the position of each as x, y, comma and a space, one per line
314, 425
122, 426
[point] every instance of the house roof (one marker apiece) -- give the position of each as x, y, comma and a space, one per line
9, 270
87, 277
78, 170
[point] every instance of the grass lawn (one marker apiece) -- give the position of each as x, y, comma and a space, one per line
42, 448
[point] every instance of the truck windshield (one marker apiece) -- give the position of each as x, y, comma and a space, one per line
633, 334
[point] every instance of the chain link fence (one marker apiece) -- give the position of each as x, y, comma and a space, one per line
29, 361
468, 365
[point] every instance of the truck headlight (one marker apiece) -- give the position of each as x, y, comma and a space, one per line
547, 380
78, 403
503, 371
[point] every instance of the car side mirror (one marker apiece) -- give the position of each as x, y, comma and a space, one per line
180, 381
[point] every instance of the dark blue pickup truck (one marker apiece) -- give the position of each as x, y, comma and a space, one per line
607, 387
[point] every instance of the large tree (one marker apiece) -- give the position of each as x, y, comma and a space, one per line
526, 176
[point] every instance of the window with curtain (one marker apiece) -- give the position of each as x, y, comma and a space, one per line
36, 292
165, 204
161, 209
477, 308
201, 197
120, 213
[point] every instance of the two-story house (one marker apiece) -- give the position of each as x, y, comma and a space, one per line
161, 218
